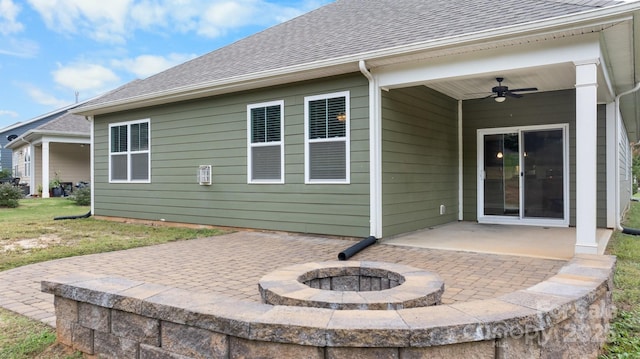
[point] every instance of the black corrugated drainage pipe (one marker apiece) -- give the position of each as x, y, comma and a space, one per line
86, 215
632, 231
351, 251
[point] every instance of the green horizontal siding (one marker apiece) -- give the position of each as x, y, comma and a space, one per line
213, 131
419, 159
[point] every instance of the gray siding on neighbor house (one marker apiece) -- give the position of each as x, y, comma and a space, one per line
6, 154
533, 109
419, 159
214, 131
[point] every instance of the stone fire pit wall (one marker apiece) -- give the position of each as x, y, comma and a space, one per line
351, 285
564, 316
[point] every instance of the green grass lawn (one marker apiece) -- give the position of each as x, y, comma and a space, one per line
28, 234
624, 339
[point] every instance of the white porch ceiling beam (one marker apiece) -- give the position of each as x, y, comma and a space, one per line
494, 61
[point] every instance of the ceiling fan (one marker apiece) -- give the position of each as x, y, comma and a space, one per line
500, 92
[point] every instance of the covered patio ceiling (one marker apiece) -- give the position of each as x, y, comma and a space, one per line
616, 73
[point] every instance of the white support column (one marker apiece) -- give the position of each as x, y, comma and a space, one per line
32, 170
586, 156
45, 169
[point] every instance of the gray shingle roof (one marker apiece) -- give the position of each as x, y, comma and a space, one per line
349, 27
67, 123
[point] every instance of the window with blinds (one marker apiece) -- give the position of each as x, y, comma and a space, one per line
327, 138
265, 147
129, 157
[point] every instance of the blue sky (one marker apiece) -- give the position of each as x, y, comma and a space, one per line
51, 49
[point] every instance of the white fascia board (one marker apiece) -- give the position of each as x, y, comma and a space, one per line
36, 137
565, 50
84, 139
276, 76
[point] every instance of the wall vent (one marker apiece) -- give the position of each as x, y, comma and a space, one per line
204, 175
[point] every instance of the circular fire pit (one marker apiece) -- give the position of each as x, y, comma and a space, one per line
352, 285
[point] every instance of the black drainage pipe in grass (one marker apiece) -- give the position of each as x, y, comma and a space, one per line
86, 215
351, 251
633, 231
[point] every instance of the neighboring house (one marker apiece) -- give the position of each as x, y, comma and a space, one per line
58, 150
12, 132
371, 118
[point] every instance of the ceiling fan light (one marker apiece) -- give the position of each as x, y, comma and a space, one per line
500, 98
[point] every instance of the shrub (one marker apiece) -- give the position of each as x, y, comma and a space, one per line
82, 196
6, 173
9, 195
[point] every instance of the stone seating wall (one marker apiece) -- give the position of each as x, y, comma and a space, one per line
565, 316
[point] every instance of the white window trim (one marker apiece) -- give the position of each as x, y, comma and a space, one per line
346, 139
129, 152
15, 172
27, 161
250, 145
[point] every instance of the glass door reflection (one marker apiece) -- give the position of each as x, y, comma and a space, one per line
502, 174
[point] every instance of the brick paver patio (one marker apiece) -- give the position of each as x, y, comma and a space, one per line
232, 265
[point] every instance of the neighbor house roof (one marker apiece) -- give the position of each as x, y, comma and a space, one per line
48, 115
342, 30
67, 125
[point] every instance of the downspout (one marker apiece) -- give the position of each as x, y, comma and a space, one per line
375, 155
617, 153
460, 167
91, 162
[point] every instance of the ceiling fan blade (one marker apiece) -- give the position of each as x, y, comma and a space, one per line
477, 93
509, 93
525, 89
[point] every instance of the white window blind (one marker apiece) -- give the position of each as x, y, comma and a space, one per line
327, 138
265, 145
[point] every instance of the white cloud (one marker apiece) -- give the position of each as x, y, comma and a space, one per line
149, 13
8, 14
101, 20
43, 98
18, 47
226, 15
147, 65
88, 78
117, 20
222, 16
8, 113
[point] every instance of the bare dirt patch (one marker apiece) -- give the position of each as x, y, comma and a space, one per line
21, 245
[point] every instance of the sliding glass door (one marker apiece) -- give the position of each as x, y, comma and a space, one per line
522, 175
